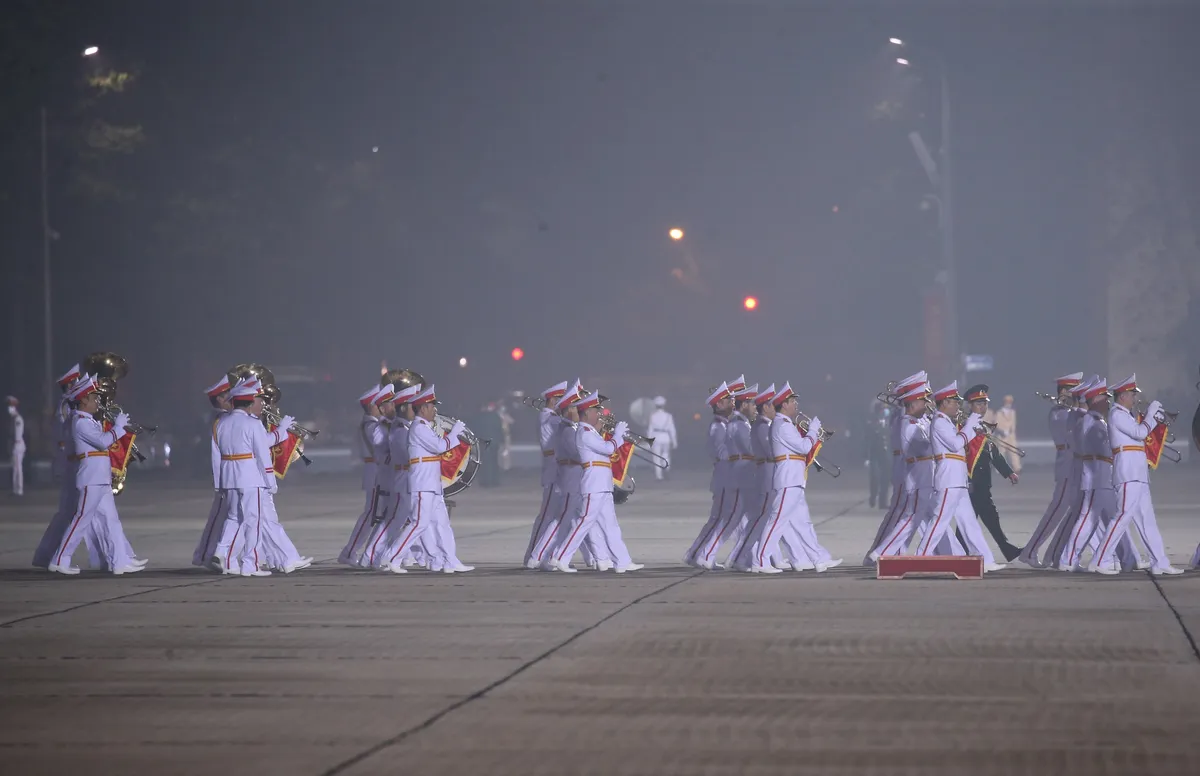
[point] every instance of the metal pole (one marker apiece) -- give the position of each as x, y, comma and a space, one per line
947, 210
48, 355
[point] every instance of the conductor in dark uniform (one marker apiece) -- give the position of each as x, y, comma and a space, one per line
981, 477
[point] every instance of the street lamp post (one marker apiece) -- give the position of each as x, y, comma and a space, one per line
945, 195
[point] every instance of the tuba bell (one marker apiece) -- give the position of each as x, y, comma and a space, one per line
109, 368
401, 378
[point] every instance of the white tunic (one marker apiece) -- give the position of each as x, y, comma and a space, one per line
398, 451
245, 452
90, 443
718, 451
742, 472
949, 450
760, 440
1127, 445
789, 450
568, 470
595, 460
425, 450
1097, 452
548, 425
370, 433
662, 427
916, 450
1062, 444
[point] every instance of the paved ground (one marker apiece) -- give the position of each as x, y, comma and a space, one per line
666, 671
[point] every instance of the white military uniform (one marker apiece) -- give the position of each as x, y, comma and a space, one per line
211, 535
566, 504
789, 508
386, 552
63, 471
662, 429
916, 454
596, 510
95, 515
18, 450
741, 557
1060, 501
246, 474
1131, 483
548, 427
428, 520
370, 431
950, 502
1062, 536
900, 497
744, 477
724, 494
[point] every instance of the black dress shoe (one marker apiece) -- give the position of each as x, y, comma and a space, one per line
1010, 552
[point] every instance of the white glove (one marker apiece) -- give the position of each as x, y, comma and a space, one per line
272, 483
122, 420
814, 428
619, 432
286, 423
1153, 410
456, 431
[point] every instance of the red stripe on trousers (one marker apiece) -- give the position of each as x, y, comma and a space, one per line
365, 523
916, 506
771, 532
416, 521
737, 495
1112, 531
716, 521
74, 524
932, 528
586, 510
383, 531
1087, 511
557, 525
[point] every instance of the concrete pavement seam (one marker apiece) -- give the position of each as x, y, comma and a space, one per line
435, 718
1178, 617
86, 604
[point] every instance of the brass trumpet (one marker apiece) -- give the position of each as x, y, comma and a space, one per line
641, 444
112, 410
273, 415
802, 422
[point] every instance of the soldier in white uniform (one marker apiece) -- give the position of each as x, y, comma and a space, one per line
385, 552
247, 472
596, 510
428, 520
218, 397
567, 484
1060, 501
548, 426
95, 513
18, 446
760, 491
916, 454
723, 496
950, 503
1099, 499
743, 470
788, 515
900, 504
1062, 536
1131, 482
369, 434
661, 429
62, 472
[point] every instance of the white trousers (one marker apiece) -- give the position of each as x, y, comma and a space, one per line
429, 523
277, 546
1051, 519
18, 468
1098, 511
549, 492
388, 547
661, 447
210, 537
908, 518
1062, 536
95, 520
68, 497
356, 545
703, 551
595, 512
241, 533
788, 519
1133, 505
947, 507
560, 513
892, 518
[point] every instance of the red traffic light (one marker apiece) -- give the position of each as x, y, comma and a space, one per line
750, 302
517, 354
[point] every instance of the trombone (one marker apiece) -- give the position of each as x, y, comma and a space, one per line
1050, 397
887, 395
832, 469
272, 415
641, 444
534, 402
986, 430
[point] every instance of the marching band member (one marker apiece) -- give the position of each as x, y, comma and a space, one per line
724, 495
1099, 498
759, 494
742, 471
218, 397
916, 455
1131, 482
95, 515
596, 508
1061, 499
63, 472
789, 509
1062, 536
569, 476
549, 422
385, 553
369, 433
950, 503
661, 429
246, 472
427, 517
980, 489
899, 471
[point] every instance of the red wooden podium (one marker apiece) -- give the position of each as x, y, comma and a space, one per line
956, 566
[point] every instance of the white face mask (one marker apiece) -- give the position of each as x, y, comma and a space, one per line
12, 410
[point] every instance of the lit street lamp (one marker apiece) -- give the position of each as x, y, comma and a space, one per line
675, 234
944, 185
90, 51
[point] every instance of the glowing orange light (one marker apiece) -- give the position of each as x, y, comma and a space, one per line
517, 354
750, 302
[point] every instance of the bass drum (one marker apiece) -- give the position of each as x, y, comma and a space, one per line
1196, 429
622, 492
468, 468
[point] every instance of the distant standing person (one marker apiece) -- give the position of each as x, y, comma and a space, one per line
489, 424
18, 447
662, 429
1006, 429
877, 439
